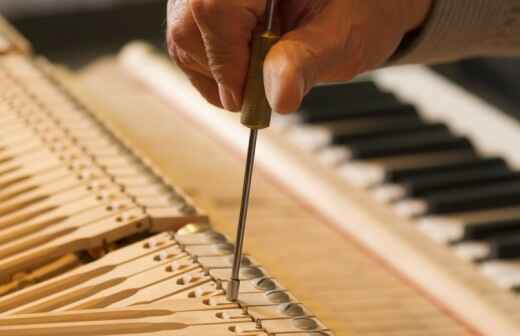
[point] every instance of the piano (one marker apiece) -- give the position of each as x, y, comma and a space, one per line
387, 206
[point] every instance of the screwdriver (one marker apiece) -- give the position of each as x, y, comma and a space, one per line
256, 115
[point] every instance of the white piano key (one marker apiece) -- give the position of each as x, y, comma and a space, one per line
410, 208
362, 174
500, 267
441, 231
310, 138
388, 193
505, 274
334, 155
472, 251
440, 220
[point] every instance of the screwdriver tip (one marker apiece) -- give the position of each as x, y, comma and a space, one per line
232, 290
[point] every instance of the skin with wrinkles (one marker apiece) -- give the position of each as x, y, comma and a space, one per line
322, 41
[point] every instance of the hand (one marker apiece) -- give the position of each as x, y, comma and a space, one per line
324, 41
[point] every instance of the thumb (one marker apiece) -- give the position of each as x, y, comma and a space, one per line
312, 52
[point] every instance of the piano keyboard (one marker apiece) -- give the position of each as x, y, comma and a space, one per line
430, 187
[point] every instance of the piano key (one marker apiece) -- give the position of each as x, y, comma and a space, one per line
337, 154
345, 114
374, 171
415, 187
397, 175
333, 156
487, 197
354, 125
387, 133
485, 215
485, 230
472, 251
339, 93
419, 144
454, 232
504, 247
443, 232
505, 274
452, 228
335, 113
462, 180
468, 199
312, 137
349, 98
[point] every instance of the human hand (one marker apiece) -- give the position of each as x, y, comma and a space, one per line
324, 41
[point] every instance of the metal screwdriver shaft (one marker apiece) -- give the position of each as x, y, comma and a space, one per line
256, 114
234, 284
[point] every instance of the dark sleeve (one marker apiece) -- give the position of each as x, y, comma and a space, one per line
462, 28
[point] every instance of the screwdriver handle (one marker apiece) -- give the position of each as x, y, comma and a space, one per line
256, 112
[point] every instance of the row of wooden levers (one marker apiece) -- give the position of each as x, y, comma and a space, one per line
420, 168
94, 241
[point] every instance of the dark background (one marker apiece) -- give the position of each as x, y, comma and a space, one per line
75, 32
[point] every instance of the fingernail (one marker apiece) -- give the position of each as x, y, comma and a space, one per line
227, 98
270, 87
284, 89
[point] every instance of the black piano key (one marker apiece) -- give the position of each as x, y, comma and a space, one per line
367, 123
408, 145
384, 134
358, 125
463, 179
486, 230
363, 110
337, 94
398, 175
472, 199
505, 247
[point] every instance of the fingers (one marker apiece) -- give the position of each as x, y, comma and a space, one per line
185, 45
206, 86
226, 28
183, 37
211, 38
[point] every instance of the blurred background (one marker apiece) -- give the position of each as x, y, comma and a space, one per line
75, 32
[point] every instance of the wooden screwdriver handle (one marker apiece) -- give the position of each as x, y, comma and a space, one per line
256, 112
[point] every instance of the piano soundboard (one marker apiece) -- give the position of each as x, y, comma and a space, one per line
384, 207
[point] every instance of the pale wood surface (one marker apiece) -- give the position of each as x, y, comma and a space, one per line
351, 291
433, 267
66, 186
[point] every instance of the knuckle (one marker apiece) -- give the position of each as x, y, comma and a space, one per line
179, 35
172, 51
171, 6
182, 58
178, 31
219, 61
